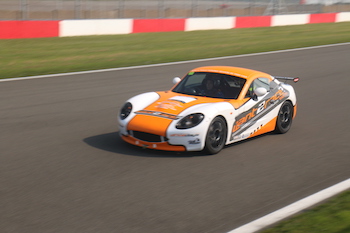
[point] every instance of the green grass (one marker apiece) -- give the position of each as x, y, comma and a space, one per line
330, 217
27, 57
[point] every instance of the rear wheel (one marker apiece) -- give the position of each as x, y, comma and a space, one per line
284, 118
216, 136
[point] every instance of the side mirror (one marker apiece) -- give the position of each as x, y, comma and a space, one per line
260, 91
176, 80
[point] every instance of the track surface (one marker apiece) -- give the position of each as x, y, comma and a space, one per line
63, 167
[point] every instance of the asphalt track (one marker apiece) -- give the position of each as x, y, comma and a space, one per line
63, 167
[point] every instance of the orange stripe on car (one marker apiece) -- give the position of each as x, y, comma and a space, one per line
270, 126
295, 111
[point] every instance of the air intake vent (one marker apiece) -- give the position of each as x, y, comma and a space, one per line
147, 137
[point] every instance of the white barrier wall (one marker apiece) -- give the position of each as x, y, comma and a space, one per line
343, 17
192, 24
88, 27
285, 20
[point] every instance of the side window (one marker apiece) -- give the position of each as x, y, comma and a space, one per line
258, 82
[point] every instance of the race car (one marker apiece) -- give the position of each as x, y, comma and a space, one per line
208, 108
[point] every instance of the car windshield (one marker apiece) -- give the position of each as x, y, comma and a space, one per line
213, 85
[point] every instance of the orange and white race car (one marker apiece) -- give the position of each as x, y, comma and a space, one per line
209, 108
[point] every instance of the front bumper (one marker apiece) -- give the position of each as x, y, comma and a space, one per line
152, 145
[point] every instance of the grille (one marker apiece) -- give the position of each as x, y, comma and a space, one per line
147, 137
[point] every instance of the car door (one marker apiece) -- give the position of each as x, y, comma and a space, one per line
252, 114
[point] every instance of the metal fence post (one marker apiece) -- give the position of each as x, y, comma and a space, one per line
252, 7
77, 8
121, 9
194, 8
24, 9
56, 10
161, 9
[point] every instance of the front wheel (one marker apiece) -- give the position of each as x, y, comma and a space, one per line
284, 118
216, 136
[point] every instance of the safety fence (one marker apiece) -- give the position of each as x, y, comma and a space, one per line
141, 9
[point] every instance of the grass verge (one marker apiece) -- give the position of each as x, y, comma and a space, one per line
27, 57
330, 217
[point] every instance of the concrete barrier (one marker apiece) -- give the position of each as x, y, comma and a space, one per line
285, 20
343, 17
209, 23
323, 18
253, 21
90, 27
158, 25
28, 29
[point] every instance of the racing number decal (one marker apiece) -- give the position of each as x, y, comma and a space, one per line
248, 118
261, 107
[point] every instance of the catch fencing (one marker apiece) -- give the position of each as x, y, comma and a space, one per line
141, 9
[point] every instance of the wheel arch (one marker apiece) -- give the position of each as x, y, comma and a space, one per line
294, 107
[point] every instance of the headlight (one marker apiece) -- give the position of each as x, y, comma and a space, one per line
190, 121
126, 110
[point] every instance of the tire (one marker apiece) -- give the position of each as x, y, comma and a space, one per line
284, 118
216, 136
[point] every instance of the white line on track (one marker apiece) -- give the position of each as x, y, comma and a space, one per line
169, 63
293, 208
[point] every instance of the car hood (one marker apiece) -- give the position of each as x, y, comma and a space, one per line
175, 103
156, 117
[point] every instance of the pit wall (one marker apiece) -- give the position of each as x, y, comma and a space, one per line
88, 27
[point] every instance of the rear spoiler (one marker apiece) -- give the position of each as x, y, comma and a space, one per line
296, 79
